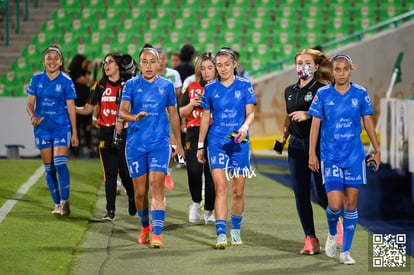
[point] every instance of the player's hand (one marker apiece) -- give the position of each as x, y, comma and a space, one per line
140, 116
200, 156
195, 102
313, 163
36, 121
74, 141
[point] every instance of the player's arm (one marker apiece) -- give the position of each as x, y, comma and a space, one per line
31, 100
285, 130
84, 110
125, 114
70, 104
313, 138
204, 124
247, 121
175, 127
370, 129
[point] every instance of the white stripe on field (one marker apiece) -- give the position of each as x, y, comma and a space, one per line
9, 204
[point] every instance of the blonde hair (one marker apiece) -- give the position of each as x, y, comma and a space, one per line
197, 66
324, 72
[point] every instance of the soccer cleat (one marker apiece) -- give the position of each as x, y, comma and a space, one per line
235, 237
145, 235
340, 230
330, 245
110, 216
132, 210
311, 247
221, 241
209, 217
64, 208
194, 214
345, 258
169, 184
57, 209
156, 241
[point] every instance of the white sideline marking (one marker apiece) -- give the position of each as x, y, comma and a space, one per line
9, 204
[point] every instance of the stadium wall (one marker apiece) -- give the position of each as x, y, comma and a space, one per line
374, 59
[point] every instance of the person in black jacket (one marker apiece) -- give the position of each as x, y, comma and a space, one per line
107, 93
314, 71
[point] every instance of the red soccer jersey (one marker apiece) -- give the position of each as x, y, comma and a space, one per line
107, 114
195, 90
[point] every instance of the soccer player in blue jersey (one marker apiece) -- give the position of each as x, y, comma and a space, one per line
51, 107
149, 105
337, 110
230, 100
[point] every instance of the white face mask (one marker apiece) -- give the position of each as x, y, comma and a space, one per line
305, 71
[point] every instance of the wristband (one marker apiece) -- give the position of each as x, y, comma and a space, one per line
200, 145
94, 118
245, 126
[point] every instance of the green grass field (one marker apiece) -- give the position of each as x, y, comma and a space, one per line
36, 242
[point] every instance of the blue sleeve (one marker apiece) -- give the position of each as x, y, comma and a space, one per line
205, 101
366, 105
316, 108
70, 91
31, 89
127, 93
171, 98
251, 98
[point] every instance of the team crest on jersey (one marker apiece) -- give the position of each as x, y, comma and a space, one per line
308, 97
58, 88
367, 99
355, 102
251, 90
237, 94
161, 91
213, 160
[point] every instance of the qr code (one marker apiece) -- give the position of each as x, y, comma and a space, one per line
389, 250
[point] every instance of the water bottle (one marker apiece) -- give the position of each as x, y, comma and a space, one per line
371, 164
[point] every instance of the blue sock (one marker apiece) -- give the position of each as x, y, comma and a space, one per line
332, 217
63, 173
158, 218
236, 221
144, 217
350, 222
52, 182
221, 227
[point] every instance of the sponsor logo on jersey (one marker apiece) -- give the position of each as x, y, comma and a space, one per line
331, 103
216, 96
140, 90
289, 97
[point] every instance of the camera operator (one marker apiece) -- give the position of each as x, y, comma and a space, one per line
107, 93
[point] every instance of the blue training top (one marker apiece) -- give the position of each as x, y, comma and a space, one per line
51, 96
227, 105
152, 98
341, 123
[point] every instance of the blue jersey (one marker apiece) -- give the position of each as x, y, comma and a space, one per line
51, 96
341, 123
153, 98
227, 105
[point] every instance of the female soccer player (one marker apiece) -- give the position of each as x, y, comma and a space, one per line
337, 110
230, 100
148, 103
205, 72
54, 122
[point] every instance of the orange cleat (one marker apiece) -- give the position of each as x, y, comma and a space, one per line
145, 235
311, 247
169, 184
156, 241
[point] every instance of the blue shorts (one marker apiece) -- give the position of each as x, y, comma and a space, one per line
155, 160
337, 178
230, 156
60, 139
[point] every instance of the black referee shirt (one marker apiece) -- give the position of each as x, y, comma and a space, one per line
300, 99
